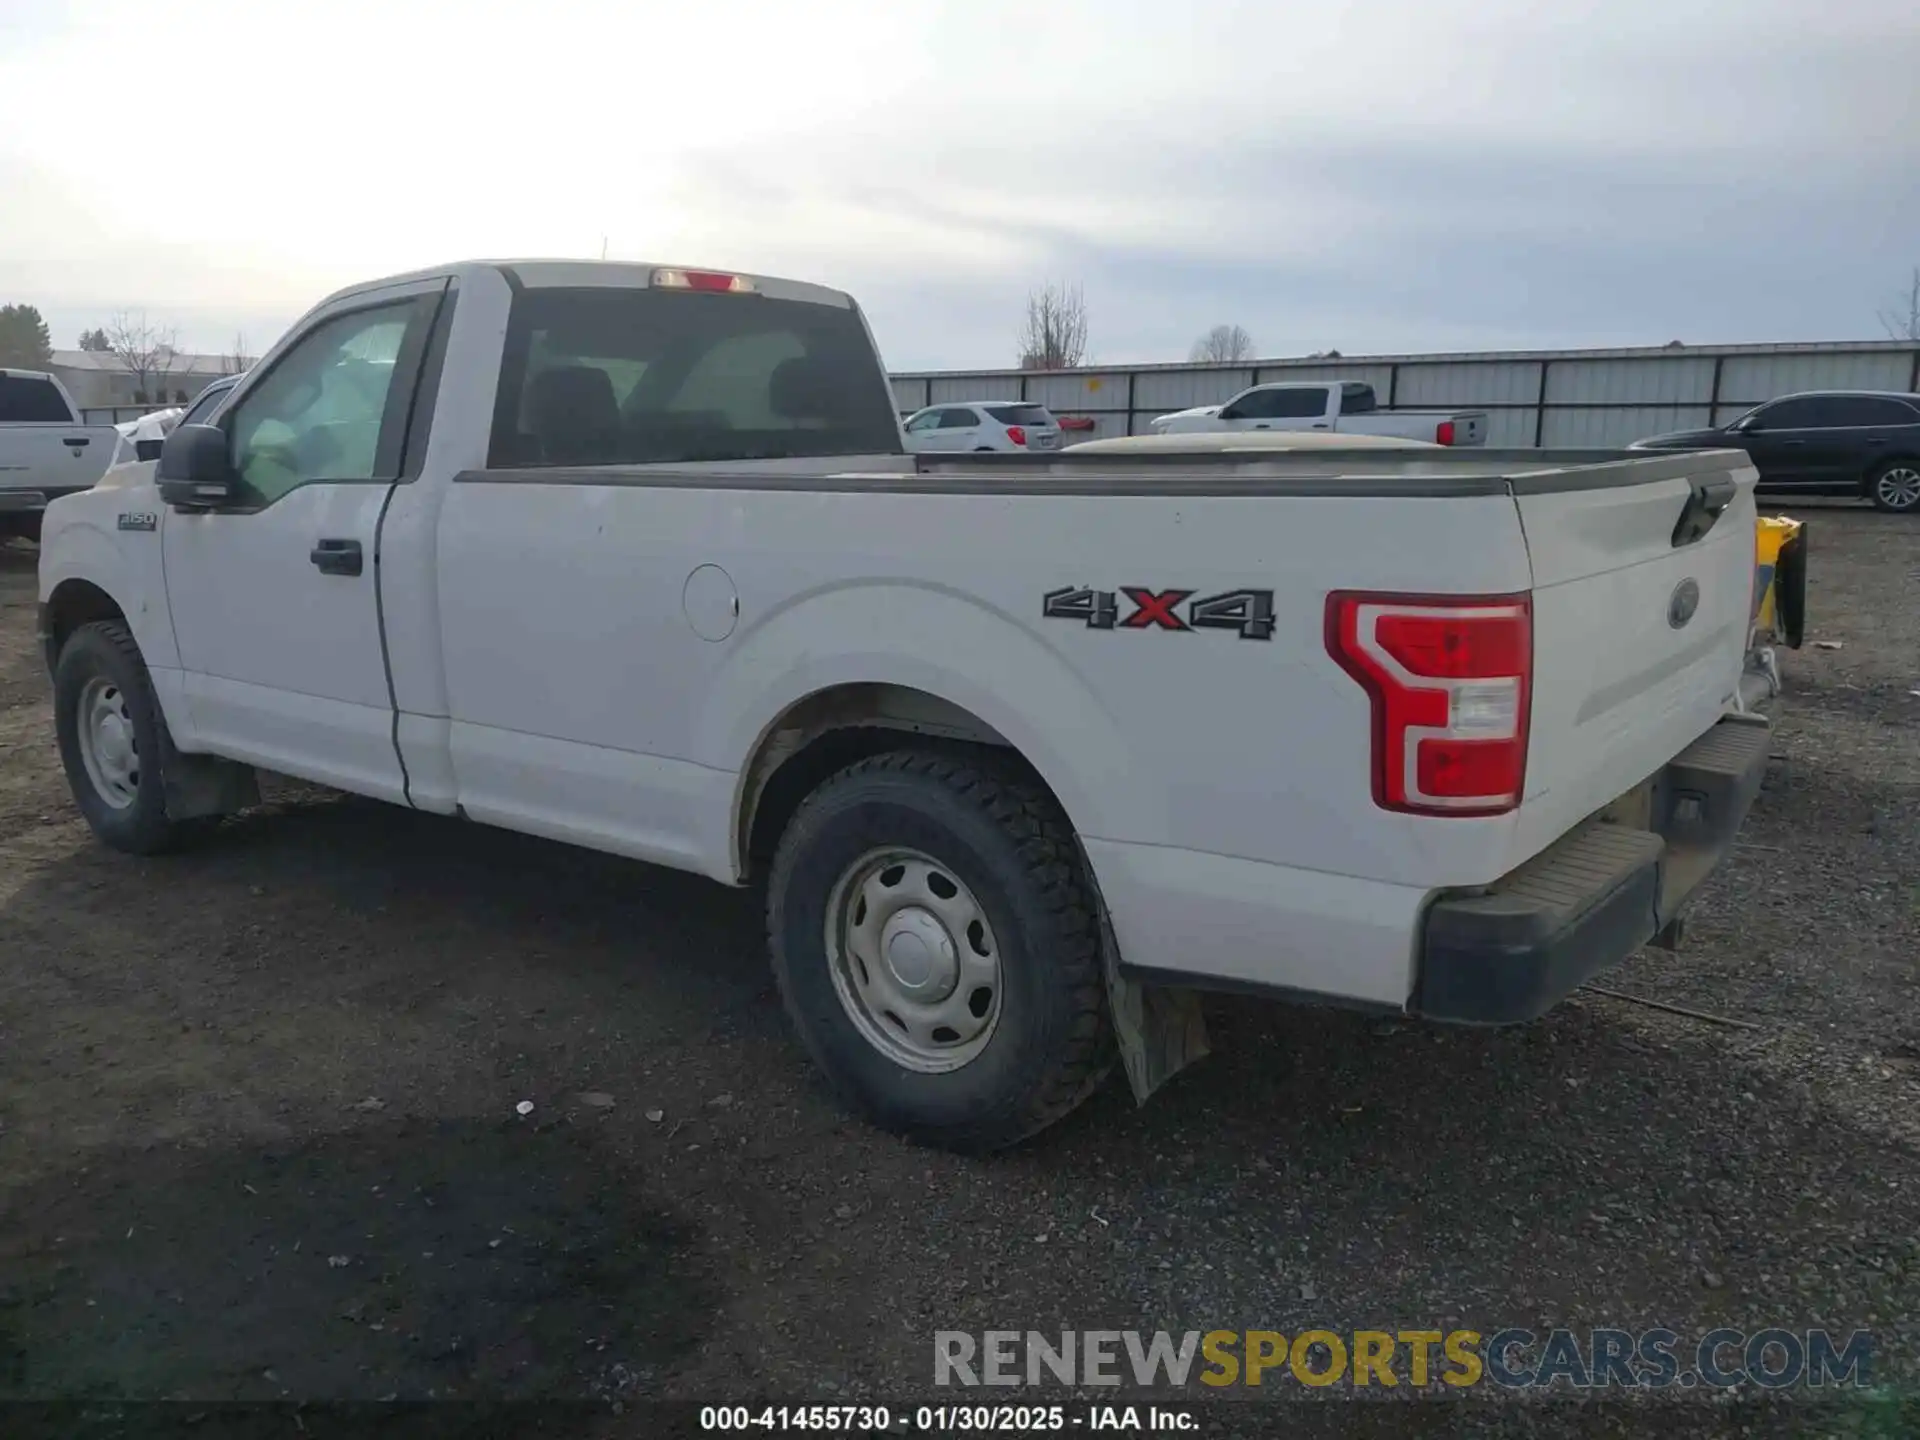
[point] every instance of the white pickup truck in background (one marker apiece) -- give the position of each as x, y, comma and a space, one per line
1024, 751
45, 450
1345, 406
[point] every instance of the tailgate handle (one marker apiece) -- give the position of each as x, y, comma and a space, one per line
1705, 504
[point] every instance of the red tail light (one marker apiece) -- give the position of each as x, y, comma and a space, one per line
1443, 433
1017, 434
1451, 681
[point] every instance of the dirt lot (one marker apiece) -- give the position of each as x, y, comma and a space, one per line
258, 1133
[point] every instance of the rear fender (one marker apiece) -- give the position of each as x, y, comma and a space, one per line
947, 645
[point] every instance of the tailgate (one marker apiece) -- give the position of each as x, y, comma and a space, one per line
1640, 624
1470, 427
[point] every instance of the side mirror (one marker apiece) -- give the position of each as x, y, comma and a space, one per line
195, 471
1743, 424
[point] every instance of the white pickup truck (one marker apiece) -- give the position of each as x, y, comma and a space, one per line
1025, 753
45, 450
1346, 406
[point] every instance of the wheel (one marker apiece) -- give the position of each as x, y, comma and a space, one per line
1895, 486
113, 740
936, 945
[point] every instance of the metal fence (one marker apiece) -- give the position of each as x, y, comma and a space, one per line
1555, 398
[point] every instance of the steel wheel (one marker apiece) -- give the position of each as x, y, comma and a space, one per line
108, 749
913, 960
1897, 487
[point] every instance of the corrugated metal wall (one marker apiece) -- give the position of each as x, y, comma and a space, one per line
1553, 398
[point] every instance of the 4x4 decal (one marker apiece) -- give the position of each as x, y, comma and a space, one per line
1248, 613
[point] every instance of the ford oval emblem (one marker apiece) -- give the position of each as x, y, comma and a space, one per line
1683, 602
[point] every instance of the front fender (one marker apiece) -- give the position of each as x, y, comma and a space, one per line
949, 645
82, 548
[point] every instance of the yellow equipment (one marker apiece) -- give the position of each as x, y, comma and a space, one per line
1780, 580
1779, 614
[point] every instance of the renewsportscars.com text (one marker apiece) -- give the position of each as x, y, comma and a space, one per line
1772, 1359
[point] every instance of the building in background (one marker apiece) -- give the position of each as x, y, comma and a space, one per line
99, 381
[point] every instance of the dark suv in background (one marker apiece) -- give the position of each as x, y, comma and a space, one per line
1836, 442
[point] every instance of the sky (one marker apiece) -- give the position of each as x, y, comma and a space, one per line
1386, 176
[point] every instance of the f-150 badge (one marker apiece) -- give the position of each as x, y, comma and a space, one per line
139, 520
1248, 613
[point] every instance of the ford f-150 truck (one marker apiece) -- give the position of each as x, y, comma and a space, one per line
1344, 406
45, 450
1025, 753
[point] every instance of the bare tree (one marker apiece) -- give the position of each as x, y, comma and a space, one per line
145, 353
1054, 336
1224, 343
236, 361
1902, 318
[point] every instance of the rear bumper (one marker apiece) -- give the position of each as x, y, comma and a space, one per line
1594, 897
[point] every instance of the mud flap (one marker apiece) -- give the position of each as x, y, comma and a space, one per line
1160, 1030
198, 785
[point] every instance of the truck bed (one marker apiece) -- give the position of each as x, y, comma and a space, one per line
1434, 471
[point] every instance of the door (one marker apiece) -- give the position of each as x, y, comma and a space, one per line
921, 431
1279, 407
959, 429
274, 599
1861, 431
1783, 440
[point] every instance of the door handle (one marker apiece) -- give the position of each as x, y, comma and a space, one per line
78, 441
1319, 424
1261, 425
336, 557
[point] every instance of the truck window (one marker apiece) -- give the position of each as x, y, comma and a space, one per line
1281, 402
321, 412
203, 407
32, 399
616, 376
1356, 399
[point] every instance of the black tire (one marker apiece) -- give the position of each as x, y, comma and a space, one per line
1007, 842
1899, 500
105, 651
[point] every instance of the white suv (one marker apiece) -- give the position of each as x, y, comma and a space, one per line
1005, 425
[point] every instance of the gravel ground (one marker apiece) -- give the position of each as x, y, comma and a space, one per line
258, 1135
